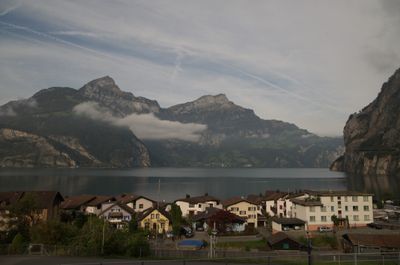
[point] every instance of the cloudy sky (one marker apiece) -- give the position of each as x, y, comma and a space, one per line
308, 62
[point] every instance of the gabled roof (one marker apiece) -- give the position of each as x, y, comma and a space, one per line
45, 199
235, 200
75, 202
145, 213
256, 198
389, 241
307, 202
9, 197
211, 211
198, 199
120, 205
278, 237
127, 198
100, 199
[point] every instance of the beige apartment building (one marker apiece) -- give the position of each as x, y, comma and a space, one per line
352, 208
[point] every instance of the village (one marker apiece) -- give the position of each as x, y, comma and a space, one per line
339, 221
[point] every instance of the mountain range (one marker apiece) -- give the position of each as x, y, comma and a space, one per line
99, 125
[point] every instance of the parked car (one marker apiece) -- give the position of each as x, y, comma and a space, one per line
169, 235
323, 229
186, 231
285, 228
296, 227
375, 225
199, 228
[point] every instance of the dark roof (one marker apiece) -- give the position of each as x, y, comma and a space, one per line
120, 205
45, 199
199, 199
211, 211
256, 198
74, 202
287, 221
145, 213
374, 240
278, 237
9, 197
100, 199
275, 196
127, 198
337, 193
235, 200
307, 202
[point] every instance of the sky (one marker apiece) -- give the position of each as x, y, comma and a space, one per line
312, 63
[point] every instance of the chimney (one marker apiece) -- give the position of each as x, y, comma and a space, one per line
187, 196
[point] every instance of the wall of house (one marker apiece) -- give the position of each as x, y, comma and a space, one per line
186, 207
142, 204
317, 216
246, 210
157, 219
126, 216
276, 227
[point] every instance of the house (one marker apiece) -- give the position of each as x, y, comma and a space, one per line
360, 243
281, 241
317, 208
223, 220
193, 205
95, 206
243, 208
6, 199
280, 224
155, 220
77, 203
136, 202
118, 214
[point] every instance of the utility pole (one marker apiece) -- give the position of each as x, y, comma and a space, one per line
309, 248
102, 241
213, 241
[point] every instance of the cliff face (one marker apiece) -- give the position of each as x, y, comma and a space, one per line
372, 136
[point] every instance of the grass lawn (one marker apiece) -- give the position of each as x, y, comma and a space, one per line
245, 245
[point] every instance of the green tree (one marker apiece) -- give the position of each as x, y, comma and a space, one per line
19, 244
53, 232
176, 216
133, 224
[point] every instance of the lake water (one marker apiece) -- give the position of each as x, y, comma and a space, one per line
174, 182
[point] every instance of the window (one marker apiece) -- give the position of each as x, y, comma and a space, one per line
210, 205
251, 208
199, 205
141, 206
355, 218
345, 198
366, 208
312, 218
162, 225
339, 198
323, 218
354, 198
242, 212
365, 198
152, 216
366, 218
355, 208
332, 199
312, 209
157, 216
332, 208
323, 208
346, 208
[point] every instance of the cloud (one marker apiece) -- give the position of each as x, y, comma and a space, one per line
308, 63
144, 126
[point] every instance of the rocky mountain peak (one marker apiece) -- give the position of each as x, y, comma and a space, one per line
102, 86
212, 100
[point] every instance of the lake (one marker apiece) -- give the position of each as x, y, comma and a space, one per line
174, 182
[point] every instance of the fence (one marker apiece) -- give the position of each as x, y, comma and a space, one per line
194, 257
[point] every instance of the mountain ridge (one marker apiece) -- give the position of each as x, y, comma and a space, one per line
234, 136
